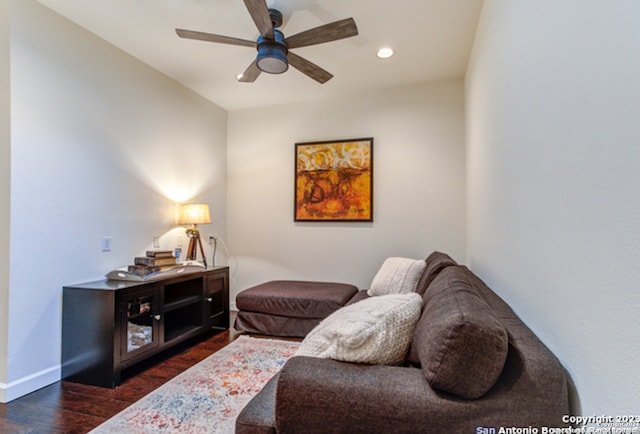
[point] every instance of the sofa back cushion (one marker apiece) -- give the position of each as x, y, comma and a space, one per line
435, 263
459, 342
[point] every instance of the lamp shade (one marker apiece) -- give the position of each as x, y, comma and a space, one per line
194, 214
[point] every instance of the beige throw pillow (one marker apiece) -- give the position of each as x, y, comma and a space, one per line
397, 276
376, 330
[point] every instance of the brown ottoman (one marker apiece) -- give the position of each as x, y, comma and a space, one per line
289, 307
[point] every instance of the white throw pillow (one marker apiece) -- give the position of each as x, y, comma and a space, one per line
397, 276
376, 330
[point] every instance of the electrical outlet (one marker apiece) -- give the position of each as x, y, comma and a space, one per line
106, 244
156, 242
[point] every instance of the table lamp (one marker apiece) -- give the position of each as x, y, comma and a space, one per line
194, 214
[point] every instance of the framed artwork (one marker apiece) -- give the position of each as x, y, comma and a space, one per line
334, 181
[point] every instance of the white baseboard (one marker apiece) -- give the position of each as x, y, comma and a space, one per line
23, 386
232, 306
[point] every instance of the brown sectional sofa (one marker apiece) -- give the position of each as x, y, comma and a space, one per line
472, 364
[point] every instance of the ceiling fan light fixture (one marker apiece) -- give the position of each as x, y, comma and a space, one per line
272, 54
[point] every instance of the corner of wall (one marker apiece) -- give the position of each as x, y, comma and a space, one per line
5, 184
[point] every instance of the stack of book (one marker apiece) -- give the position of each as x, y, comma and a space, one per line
154, 261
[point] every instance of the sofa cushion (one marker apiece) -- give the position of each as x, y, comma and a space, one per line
361, 295
460, 343
296, 299
397, 276
435, 263
377, 330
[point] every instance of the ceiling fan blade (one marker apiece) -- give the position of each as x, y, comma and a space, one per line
260, 14
329, 32
210, 37
308, 68
251, 73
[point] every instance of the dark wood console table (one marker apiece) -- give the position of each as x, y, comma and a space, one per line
109, 325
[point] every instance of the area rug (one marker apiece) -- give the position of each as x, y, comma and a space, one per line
207, 397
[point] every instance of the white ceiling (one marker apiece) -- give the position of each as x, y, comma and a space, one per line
431, 38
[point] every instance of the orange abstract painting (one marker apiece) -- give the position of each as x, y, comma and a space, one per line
334, 181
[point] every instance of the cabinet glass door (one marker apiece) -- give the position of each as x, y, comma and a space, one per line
216, 311
142, 320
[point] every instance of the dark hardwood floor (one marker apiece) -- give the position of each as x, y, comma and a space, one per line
66, 407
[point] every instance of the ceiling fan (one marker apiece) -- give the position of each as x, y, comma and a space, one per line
274, 55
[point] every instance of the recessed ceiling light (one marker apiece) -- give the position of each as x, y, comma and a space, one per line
385, 53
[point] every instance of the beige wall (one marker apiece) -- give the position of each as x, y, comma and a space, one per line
419, 203
553, 174
102, 145
5, 186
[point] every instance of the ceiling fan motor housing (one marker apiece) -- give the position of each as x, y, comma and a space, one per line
276, 17
272, 54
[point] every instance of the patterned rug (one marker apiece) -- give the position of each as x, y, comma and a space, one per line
207, 397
